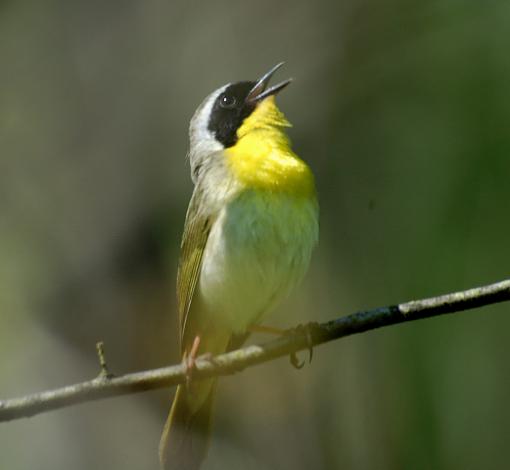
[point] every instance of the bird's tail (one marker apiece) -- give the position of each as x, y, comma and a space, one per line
186, 434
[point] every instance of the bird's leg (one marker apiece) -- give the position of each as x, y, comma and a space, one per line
300, 329
270, 330
190, 358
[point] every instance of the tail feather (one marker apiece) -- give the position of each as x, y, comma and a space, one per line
186, 435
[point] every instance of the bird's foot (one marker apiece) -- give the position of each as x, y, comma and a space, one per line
305, 330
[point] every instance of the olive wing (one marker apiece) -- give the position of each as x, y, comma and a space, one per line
194, 240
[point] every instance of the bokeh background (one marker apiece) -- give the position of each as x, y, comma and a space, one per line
402, 109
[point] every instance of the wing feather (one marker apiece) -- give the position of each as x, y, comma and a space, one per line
196, 232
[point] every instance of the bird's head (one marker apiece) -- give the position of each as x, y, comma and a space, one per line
233, 110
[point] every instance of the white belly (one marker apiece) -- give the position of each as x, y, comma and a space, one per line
258, 250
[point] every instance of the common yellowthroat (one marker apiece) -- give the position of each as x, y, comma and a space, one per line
250, 229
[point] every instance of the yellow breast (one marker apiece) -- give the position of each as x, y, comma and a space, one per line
262, 157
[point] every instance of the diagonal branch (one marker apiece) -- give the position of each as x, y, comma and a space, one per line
104, 386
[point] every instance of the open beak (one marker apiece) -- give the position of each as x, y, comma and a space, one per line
260, 90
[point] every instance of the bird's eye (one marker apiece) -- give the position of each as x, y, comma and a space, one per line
227, 101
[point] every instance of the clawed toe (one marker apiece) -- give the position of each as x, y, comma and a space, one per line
307, 331
296, 363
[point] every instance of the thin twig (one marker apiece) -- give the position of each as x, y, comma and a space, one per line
224, 364
104, 372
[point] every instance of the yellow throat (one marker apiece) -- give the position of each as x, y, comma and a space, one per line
262, 157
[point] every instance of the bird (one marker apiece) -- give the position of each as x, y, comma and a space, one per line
251, 227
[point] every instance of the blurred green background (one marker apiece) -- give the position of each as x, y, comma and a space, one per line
402, 109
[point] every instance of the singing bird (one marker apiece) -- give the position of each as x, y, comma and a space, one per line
251, 226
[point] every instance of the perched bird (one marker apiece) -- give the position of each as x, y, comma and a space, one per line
250, 229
